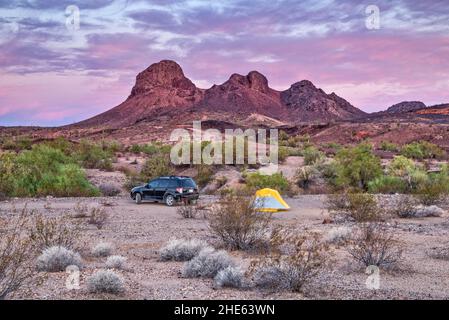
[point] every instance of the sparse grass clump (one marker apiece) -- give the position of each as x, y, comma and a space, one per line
56, 259
238, 225
103, 249
207, 264
181, 249
116, 262
373, 244
231, 277
105, 281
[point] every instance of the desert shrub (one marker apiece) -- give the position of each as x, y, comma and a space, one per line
432, 190
187, 211
17, 144
360, 207
387, 185
389, 146
43, 171
109, 190
116, 262
80, 210
430, 211
305, 176
204, 175
15, 254
356, 167
98, 217
55, 259
93, 156
156, 166
181, 249
401, 206
294, 261
422, 150
53, 232
312, 155
230, 277
372, 244
102, 249
238, 225
207, 264
255, 181
338, 235
105, 281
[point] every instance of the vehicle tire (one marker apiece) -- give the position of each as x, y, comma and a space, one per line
169, 200
138, 198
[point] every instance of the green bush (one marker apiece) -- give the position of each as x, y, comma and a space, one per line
433, 189
156, 166
43, 171
422, 150
255, 181
93, 156
204, 175
17, 144
389, 146
387, 185
312, 155
356, 167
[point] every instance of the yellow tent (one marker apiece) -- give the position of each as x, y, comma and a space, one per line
269, 200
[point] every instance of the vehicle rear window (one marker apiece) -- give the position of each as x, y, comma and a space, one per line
188, 183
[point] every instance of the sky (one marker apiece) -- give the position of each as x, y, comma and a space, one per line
56, 69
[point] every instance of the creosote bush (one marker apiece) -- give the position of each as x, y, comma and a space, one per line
181, 249
293, 262
338, 235
98, 217
105, 281
360, 207
55, 259
373, 244
207, 264
238, 224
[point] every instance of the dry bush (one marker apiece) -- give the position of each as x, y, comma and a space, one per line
109, 190
187, 211
80, 210
105, 281
231, 277
15, 254
116, 262
238, 224
207, 264
401, 206
55, 259
98, 217
103, 249
338, 235
294, 261
47, 232
373, 244
359, 207
181, 249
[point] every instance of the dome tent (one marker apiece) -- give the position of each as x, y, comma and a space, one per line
269, 200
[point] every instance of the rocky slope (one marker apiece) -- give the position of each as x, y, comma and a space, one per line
406, 106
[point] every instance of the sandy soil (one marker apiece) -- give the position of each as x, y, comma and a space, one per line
138, 231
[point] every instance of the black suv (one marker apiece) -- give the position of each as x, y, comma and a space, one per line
167, 189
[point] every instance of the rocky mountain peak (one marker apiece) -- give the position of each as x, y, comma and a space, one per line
406, 106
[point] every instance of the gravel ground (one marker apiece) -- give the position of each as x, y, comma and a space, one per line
138, 231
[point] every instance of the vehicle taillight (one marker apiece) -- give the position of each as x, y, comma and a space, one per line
179, 190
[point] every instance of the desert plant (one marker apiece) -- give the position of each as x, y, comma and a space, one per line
45, 232
156, 166
238, 224
373, 244
109, 190
294, 261
207, 264
360, 207
93, 156
387, 185
338, 235
389, 146
181, 249
433, 190
204, 175
422, 150
80, 210
102, 249
105, 281
116, 262
15, 254
402, 206
98, 217
55, 259
312, 155
187, 211
305, 176
231, 277
429, 211
255, 181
